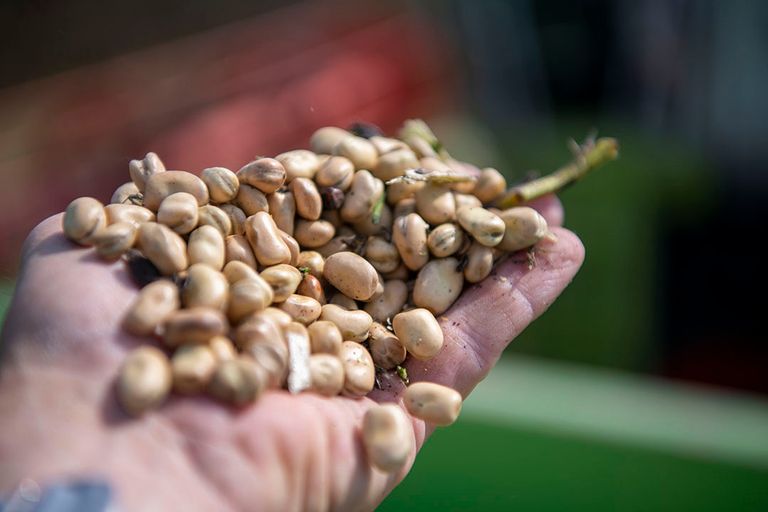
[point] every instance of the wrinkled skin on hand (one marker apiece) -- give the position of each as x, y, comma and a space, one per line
62, 347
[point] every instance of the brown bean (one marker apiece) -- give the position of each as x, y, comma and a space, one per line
313, 233
154, 303
128, 213
282, 207
325, 138
333, 217
222, 348
432, 403
351, 274
161, 185
236, 218
438, 285
524, 228
313, 261
310, 286
238, 381
164, 248
284, 279
326, 374
272, 357
337, 172
237, 248
389, 303
405, 207
419, 333
490, 185
386, 350
192, 367
388, 437
479, 263
435, 203
205, 286
365, 191
127, 193
141, 170
394, 164
247, 296
353, 324
266, 174
302, 309
409, 235
260, 328
114, 240
309, 204
144, 381
445, 240
297, 339
401, 273
359, 372
221, 182
206, 246
210, 215
484, 226
266, 242
360, 151
299, 163
236, 270
193, 326
178, 211
368, 225
83, 219
342, 300
342, 242
325, 337
251, 200
293, 246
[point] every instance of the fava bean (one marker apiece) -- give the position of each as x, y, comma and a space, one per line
432, 402
141, 170
222, 348
313, 261
386, 350
438, 285
382, 255
390, 302
419, 333
144, 380
310, 287
409, 234
313, 233
206, 246
445, 240
236, 270
299, 163
267, 244
484, 226
282, 207
309, 204
247, 296
326, 374
237, 248
265, 174
325, 138
114, 240
251, 200
205, 286
178, 211
490, 185
210, 215
236, 218
387, 437
325, 337
479, 263
193, 326
359, 373
365, 191
238, 381
221, 182
353, 324
302, 309
394, 164
337, 172
435, 203
164, 248
351, 274
524, 228
284, 279
83, 219
154, 303
128, 213
192, 367
161, 185
127, 193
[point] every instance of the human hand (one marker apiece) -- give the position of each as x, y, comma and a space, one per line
63, 345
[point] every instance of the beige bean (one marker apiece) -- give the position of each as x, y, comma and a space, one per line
251, 200
401, 273
326, 374
144, 381
388, 437
238, 381
337, 172
192, 367
297, 339
302, 309
282, 207
164, 248
390, 302
420, 146
272, 356
396, 192
83, 219
313, 233
161, 185
479, 263
353, 324
325, 337
434, 164
237, 248
309, 204
114, 240
284, 279
370, 226
445, 240
524, 228
490, 185
193, 326
278, 316
351, 274
386, 350
359, 372
465, 200
131, 213
362, 196
236, 270
394, 164
154, 303
267, 244
261, 328
236, 218
141, 170
409, 235
343, 241
332, 216
206, 246
221, 182
484, 226
435, 203
387, 144
310, 286
299, 163
433, 403
210, 215
466, 169
178, 211
247, 296
405, 207
222, 348
313, 261
127, 193
382, 255
325, 138
293, 246
438, 285
419, 333
205, 286
359, 150
266, 174
342, 300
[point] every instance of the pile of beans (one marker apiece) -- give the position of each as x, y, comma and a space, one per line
312, 270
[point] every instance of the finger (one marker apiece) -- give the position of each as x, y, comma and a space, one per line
550, 208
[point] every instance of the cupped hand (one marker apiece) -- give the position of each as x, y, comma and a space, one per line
62, 347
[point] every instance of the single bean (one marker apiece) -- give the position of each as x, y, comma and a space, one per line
313, 233
387, 144
238, 381
141, 170
325, 337
420, 146
396, 192
154, 303
282, 207
205, 286
221, 182
463, 169
490, 185
164, 248
369, 225
206, 246
161, 185
127, 193
128, 213
343, 241
310, 286
247, 296
360, 151
278, 316
464, 200
251, 200
236, 218
351, 274
192, 367
433, 403
445, 240
222, 348
299, 163
260, 328
83, 219
386, 349
438, 285
302, 309
144, 381
337, 172
210, 215
266, 174
382, 255
479, 263
409, 235
326, 374
359, 372
297, 339
236, 270
115, 240
194, 326
267, 244
293, 246
434, 164
178, 211
309, 204
325, 138
353, 324
405, 207
313, 261
419, 333
524, 228
332, 216
401, 273
388, 437
394, 164
484, 226
365, 191
435, 203
272, 357
284, 279
390, 302
237, 248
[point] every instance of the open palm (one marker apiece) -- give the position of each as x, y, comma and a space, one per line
63, 345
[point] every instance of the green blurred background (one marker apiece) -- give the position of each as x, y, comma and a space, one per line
644, 387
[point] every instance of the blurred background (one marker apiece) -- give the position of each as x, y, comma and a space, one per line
645, 386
